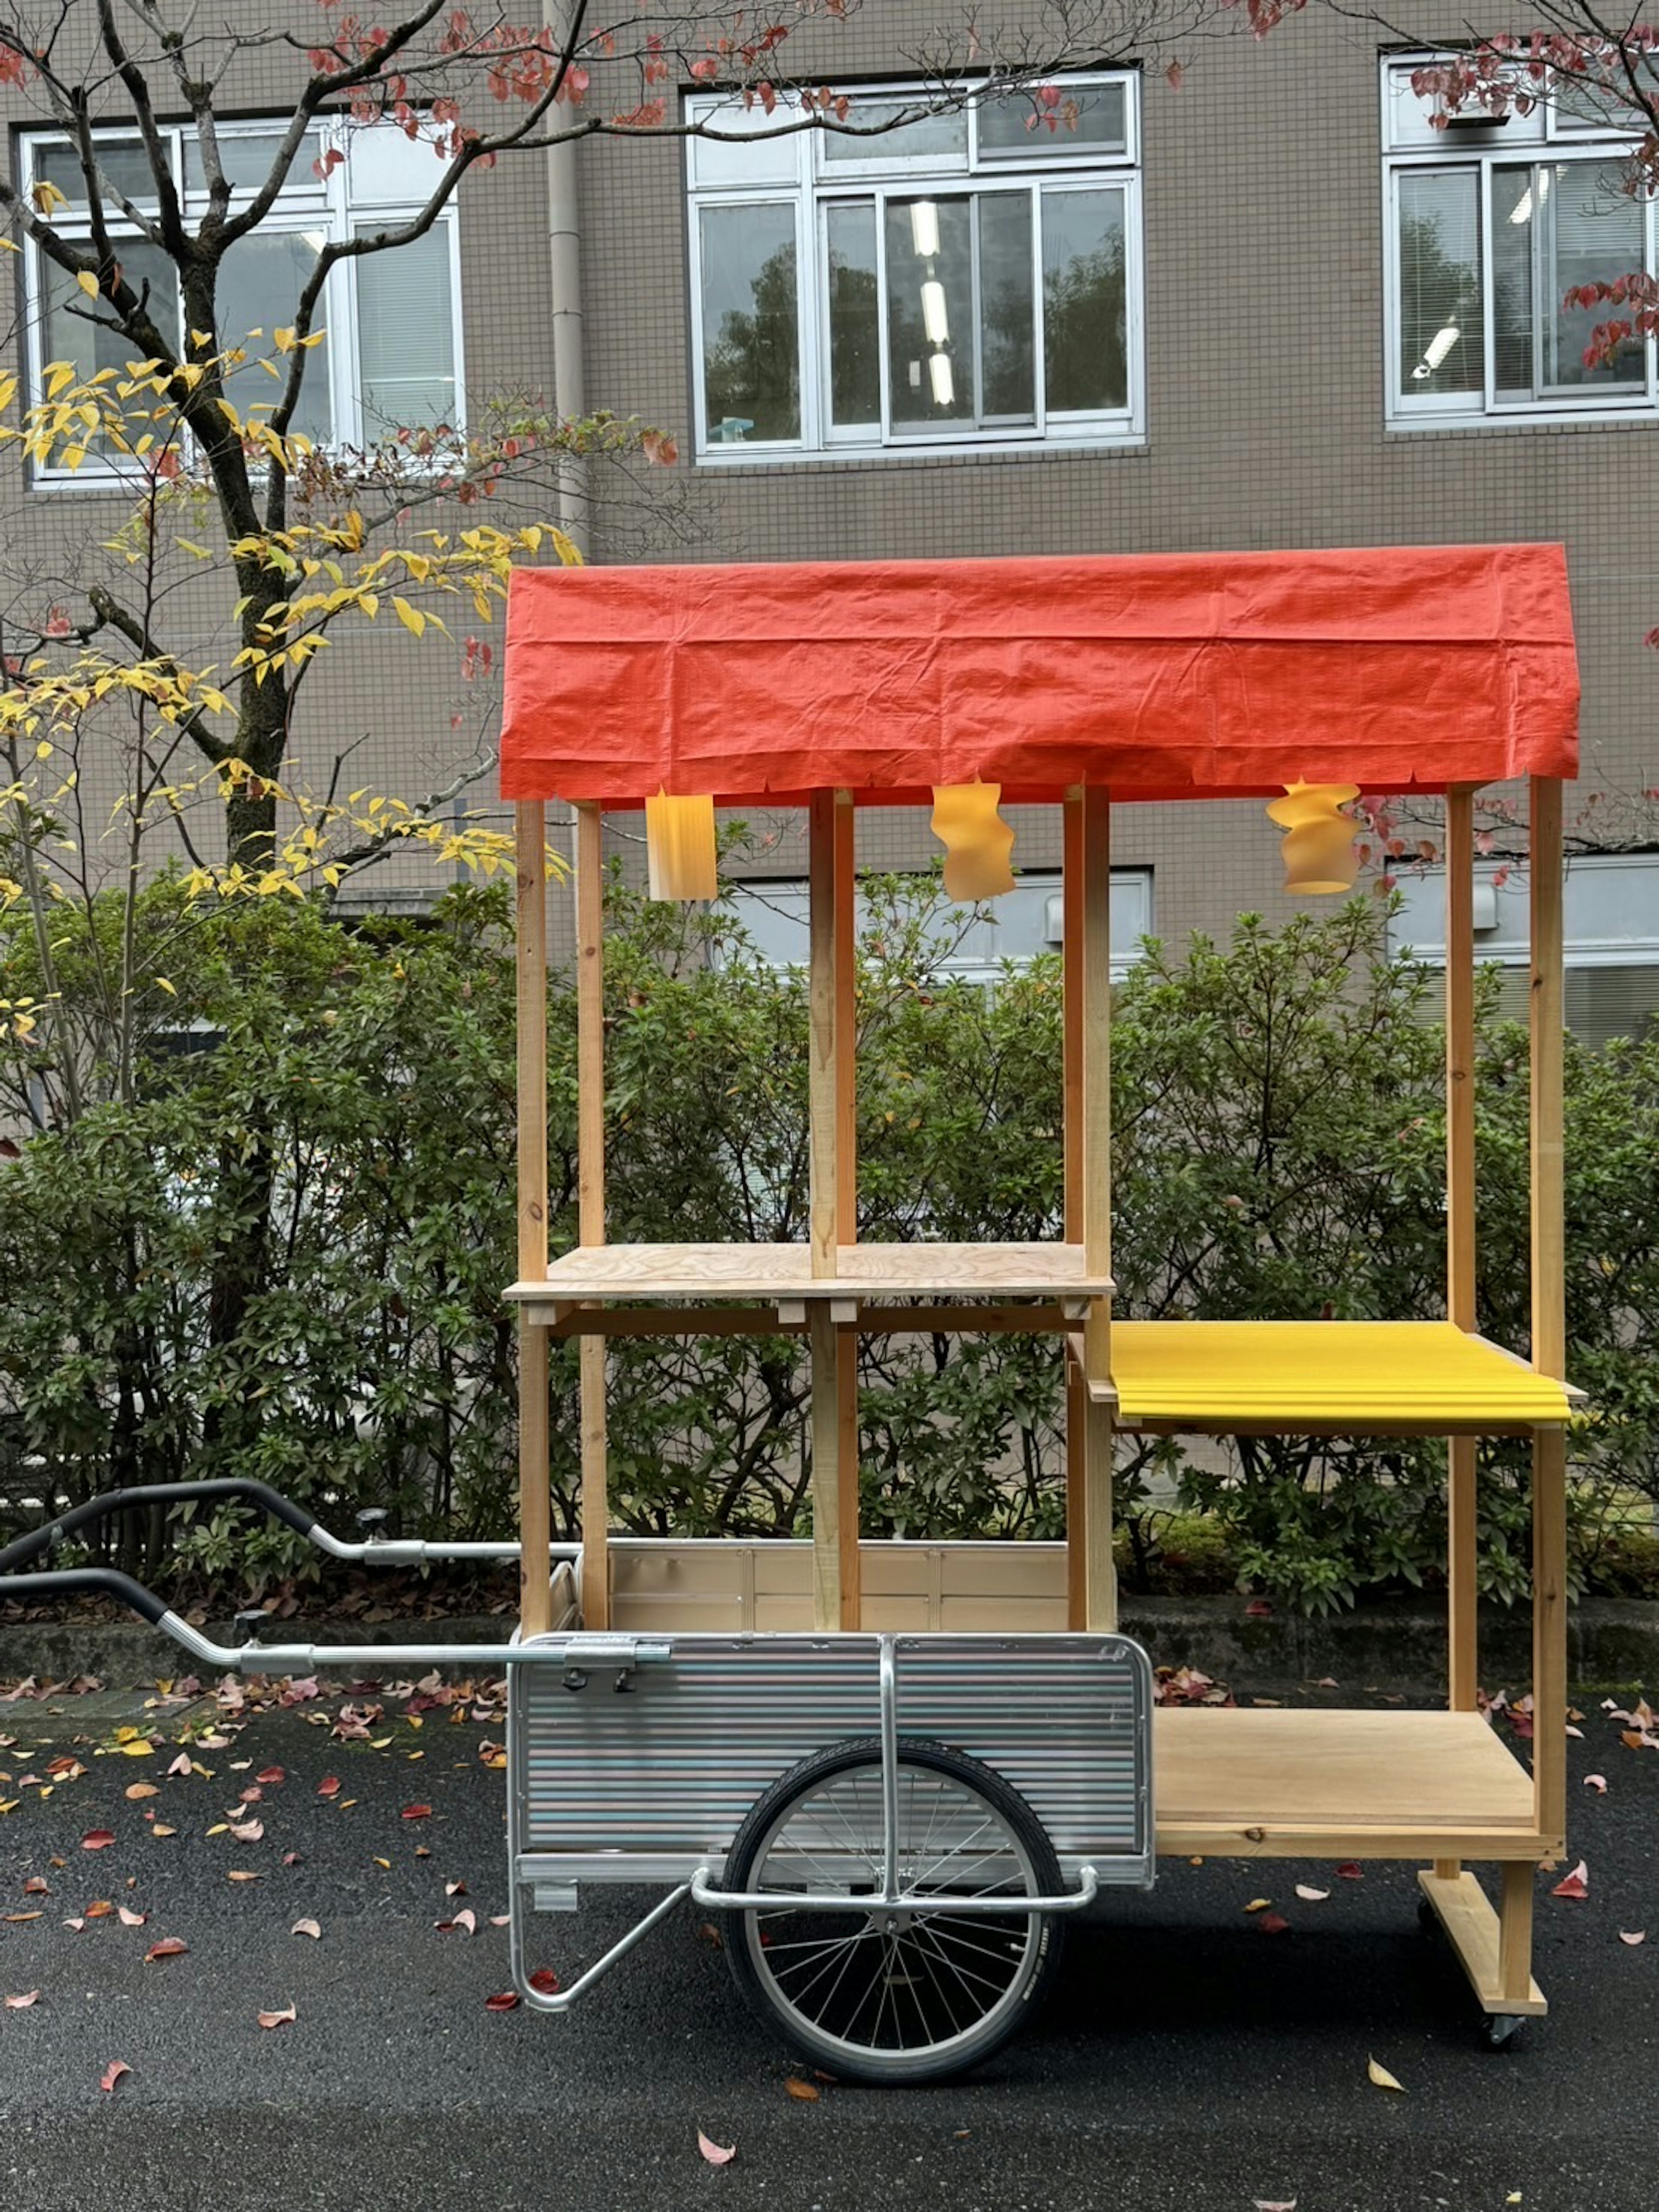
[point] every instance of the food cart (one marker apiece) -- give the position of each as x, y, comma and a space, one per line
899, 1769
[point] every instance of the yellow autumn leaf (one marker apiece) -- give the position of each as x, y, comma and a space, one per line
162, 984
1381, 2079
46, 196
1258, 1904
139, 1750
411, 617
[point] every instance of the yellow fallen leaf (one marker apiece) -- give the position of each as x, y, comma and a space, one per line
1380, 2077
220, 1829
139, 1750
386, 1863
805, 2092
158, 1829
1258, 1904
138, 1790
237, 1874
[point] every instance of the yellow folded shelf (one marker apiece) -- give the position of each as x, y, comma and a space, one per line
1341, 1377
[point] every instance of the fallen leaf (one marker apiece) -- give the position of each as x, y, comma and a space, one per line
306, 1927
97, 1839
181, 1765
237, 1874
220, 1829
22, 2003
1575, 1885
1598, 1783
1632, 1935
136, 1789
248, 1831
1276, 2204
36, 1886
454, 1889
417, 1812
467, 1918
1351, 1870
168, 1947
100, 1908
805, 2092
506, 2001
386, 1863
139, 1750
1380, 2077
158, 1829
713, 2152
545, 1981
132, 1919
708, 1934
328, 1786
1630, 1739
500, 1919
272, 1775
1258, 1904
1311, 1896
279, 2018
113, 2072
12, 1917
1272, 1923
77, 1924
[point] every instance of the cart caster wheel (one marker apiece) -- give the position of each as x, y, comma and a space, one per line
918, 1994
1501, 2031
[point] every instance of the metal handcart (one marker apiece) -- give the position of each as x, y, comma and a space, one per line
899, 1769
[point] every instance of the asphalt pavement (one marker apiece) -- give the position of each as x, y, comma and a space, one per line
1187, 2062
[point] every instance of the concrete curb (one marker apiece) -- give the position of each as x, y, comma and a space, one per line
1610, 1640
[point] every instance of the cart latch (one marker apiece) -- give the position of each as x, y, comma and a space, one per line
618, 1655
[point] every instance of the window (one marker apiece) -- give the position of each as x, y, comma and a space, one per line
962, 280
391, 357
1490, 222
1023, 922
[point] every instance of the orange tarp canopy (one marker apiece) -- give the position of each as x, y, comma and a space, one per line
1162, 675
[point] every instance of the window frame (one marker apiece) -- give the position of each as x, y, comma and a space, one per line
305, 202
1051, 166
1541, 141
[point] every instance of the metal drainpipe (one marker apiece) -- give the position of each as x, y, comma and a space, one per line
565, 270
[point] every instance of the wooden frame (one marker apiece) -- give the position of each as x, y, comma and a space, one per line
1439, 1787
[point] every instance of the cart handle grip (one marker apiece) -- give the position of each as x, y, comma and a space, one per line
24, 1548
70, 1582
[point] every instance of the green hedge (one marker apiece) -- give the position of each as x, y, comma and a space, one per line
283, 1256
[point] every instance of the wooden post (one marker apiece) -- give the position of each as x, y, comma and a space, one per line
590, 1205
1099, 1573
530, 927
823, 1342
824, 1108
1076, 1383
843, 895
1549, 1451
1514, 1929
1463, 1638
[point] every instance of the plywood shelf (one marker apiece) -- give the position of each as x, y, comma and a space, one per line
1326, 1377
1253, 1782
782, 1273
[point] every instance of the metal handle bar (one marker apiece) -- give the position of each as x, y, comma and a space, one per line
703, 1892
373, 1552
576, 1652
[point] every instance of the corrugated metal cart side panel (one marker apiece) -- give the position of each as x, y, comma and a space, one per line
642, 1776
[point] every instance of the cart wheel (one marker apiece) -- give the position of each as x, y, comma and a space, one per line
909, 1995
1502, 2031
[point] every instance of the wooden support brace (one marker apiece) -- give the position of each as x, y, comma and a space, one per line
846, 1474
590, 1204
825, 1340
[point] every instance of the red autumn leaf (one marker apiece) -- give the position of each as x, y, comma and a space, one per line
36, 1886
280, 2019
22, 2003
1272, 1923
713, 2153
505, 2001
1632, 1935
1258, 1609
466, 1919
271, 1776
97, 1839
545, 1980
417, 1812
168, 1947
1598, 1783
100, 1908
113, 2072
1351, 1870
328, 1786
132, 1919
1576, 1884
181, 1765
1173, 75
247, 1831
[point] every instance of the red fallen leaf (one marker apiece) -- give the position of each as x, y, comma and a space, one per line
1258, 1609
1625, 1935
1576, 1884
454, 1889
132, 1919
1351, 1870
545, 1980
290, 1858
465, 1919
97, 1839
306, 1927
36, 1886
1598, 1783
100, 1908
250, 1796
1631, 1740
22, 2003
279, 2018
328, 1786
805, 2092
506, 2001
1272, 1923
272, 1775
113, 2072
1279, 2204
168, 1947
417, 1812
713, 2153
